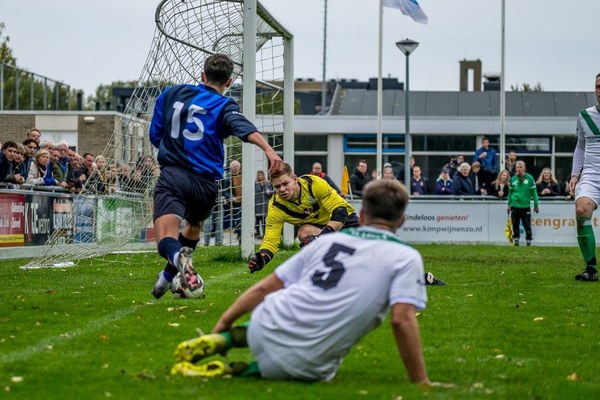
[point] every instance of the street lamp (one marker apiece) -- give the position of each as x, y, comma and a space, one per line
407, 46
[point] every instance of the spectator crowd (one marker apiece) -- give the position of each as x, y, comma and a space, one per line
36, 163
458, 177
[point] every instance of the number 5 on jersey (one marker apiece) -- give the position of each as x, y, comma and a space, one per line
330, 279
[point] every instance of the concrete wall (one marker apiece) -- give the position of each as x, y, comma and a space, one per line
88, 131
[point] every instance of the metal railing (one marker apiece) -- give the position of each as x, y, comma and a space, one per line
49, 86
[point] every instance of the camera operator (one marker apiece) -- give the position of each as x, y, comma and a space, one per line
453, 164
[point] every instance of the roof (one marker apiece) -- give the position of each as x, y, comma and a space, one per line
487, 103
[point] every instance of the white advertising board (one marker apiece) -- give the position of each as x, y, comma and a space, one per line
476, 221
464, 221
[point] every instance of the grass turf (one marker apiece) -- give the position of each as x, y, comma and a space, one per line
511, 323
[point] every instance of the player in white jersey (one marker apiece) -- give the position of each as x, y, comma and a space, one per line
585, 183
311, 310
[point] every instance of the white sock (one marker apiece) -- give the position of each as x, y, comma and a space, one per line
163, 282
175, 258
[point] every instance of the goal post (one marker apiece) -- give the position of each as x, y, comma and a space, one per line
274, 85
186, 33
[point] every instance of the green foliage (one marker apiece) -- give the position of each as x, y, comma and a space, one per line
511, 323
104, 94
272, 104
6, 56
527, 88
24, 90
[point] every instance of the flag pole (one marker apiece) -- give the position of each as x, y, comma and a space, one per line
379, 161
324, 83
502, 92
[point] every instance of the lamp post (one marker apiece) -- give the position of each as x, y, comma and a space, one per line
407, 46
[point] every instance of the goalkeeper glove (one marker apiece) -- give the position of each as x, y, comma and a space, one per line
310, 238
307, 240
327, 229
259, 260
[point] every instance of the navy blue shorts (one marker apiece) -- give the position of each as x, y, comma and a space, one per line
184, 193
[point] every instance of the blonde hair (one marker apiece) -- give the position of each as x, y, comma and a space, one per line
496, 183
41, 152
390, 169
100, 158
21, 149
541, 177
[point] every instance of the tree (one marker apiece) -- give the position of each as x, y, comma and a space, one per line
104, 94
527, 88
25, 90
267, 103
6, 56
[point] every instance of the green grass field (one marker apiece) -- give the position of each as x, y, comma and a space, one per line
512, 323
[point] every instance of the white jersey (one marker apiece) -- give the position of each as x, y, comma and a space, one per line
586, 158
337, 290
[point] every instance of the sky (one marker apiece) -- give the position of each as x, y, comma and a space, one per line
92, 42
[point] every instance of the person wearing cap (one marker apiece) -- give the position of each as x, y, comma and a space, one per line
443, 184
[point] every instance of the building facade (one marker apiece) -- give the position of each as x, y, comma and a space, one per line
539, 127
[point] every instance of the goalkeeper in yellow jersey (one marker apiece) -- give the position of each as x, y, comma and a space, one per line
307, 202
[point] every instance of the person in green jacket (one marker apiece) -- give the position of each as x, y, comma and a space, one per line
521, 191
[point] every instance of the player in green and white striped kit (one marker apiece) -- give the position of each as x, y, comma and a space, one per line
585, 183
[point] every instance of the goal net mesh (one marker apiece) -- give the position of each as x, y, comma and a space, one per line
118, 219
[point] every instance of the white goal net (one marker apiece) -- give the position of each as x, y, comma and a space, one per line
120, 218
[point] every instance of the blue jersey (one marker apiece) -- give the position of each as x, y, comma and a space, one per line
189, 125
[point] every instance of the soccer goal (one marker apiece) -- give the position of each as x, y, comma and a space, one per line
186, 33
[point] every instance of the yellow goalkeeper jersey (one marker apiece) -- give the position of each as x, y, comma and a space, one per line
314, 206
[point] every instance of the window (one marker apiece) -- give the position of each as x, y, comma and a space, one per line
535, 164
531, 144
565, 144
310, 143
275, 141
456, 144
562, 169
303, 163
368, 143
431, 166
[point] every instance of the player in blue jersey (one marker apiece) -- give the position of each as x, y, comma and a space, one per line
188, 128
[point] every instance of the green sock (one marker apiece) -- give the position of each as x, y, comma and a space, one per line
246, 370
251, 370
587, 241
227, 336
236, 336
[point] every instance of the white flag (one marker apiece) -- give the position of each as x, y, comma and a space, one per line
408, 7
